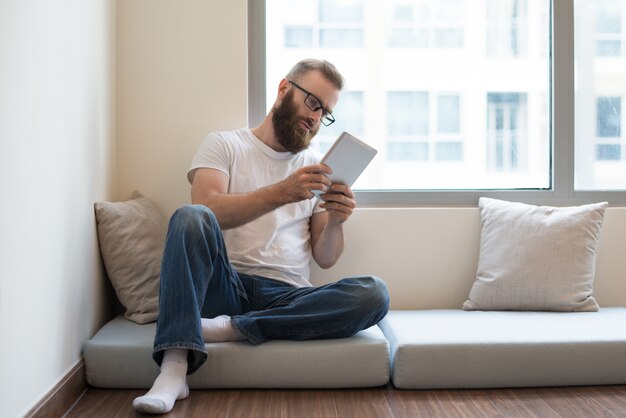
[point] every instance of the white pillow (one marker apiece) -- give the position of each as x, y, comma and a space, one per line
536, 257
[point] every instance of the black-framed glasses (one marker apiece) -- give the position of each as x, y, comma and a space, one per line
315, 104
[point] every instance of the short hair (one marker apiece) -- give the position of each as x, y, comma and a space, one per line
328, 70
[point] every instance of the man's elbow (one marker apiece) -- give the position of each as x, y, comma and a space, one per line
326, 263
325, 266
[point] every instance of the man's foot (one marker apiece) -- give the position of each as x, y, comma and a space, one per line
220, 329
169, 386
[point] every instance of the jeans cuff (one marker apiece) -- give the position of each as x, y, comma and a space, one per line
196, 355
251, 337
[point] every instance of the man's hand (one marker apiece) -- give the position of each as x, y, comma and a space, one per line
339, 203
299, 185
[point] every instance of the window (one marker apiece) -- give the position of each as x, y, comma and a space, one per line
608, 27
465, 99
322, 24
407, 126
600, 88
608, 128
426, 24
506, 131
412, 133
507, 28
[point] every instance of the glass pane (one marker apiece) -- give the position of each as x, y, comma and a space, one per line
609, 48
445, 108
600, 90
448, 114
341, 11
407, 151
608, 17
608, 152
402, 13
408, 38
298, 37
407, 113
449, 151
507, 27
608, 117
449, 38
341, 38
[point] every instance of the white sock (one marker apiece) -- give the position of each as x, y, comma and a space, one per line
220, 329
169, 386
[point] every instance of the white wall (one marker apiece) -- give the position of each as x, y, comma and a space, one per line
56, 159
181, 73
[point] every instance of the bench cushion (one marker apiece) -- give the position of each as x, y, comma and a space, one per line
460, 349
120, 356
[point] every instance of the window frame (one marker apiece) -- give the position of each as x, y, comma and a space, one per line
561, 125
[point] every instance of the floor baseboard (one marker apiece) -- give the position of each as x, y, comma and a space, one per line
63, 395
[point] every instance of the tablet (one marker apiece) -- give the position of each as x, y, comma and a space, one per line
348, 157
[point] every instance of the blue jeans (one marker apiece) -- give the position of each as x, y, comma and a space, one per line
198, 281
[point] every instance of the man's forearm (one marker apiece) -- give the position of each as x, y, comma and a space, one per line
329, 246
233, 210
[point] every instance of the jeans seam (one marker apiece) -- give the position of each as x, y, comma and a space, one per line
229, 269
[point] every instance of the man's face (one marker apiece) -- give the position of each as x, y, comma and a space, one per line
295, 124
293, 131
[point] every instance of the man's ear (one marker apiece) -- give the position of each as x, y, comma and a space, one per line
283, 88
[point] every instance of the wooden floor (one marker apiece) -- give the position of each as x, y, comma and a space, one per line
570, 402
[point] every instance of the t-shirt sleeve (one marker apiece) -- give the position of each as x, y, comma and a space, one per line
213, 152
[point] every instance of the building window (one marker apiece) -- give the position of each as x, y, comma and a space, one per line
310, 24
407, 113
608, 27
506, 130
426, 24
608, 128
411, 129
507, 28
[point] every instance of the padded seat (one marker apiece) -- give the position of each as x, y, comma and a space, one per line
120, 356
473, 349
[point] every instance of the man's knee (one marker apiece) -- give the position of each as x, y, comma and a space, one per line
380, 293
373, 294
193, 218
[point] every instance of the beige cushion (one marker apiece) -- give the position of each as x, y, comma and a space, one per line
120, 356
132, 236
445, 348
536, 257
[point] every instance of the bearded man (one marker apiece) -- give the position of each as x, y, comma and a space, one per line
236, 261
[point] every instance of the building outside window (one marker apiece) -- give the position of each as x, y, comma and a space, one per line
600, 87
456, 94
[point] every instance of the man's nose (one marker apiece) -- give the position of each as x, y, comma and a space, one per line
316, 115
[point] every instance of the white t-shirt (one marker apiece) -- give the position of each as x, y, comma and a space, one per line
276, 245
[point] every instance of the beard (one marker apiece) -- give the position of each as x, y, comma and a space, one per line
289, 133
